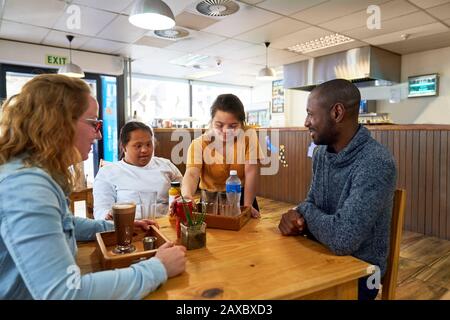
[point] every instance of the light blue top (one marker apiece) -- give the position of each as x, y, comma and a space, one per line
38, 237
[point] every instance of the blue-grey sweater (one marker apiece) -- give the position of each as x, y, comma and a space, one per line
349, 205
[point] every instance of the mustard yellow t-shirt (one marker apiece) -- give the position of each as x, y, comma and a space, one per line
215, 159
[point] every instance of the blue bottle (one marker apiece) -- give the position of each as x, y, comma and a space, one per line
233, 189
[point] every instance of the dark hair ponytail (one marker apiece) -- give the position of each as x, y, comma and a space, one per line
229, 103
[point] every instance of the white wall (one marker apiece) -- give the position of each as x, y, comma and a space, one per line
294, 105
431, 110
19, 53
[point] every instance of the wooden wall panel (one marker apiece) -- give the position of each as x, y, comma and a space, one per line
421, 153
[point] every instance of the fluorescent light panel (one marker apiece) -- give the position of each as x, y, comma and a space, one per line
329, 41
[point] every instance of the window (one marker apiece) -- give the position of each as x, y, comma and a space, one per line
155, 98
204, 94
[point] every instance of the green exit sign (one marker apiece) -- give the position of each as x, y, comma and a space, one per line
55, 60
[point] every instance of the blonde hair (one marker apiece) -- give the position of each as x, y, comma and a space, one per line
39, 124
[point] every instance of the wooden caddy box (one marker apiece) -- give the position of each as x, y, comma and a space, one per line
225, 222
106, 241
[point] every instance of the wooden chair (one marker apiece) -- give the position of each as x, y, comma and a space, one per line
83, 195
389, 282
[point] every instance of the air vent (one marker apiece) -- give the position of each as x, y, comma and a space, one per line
172, 34
217, 8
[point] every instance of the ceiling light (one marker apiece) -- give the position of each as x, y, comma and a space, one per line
152, 15
71, 69
321, 43
267, 73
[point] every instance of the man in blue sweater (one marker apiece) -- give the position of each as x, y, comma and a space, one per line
349, 205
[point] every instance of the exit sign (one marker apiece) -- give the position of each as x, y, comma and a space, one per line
55, 60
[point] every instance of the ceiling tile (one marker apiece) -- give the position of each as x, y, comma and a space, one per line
277, 58
139, 52
428, 3
58, 39
299, 37
241, 67
197, 41
413, 33
154, 42
334, 9
122, 30
252, 1
273, 30
389, 11
178, 6
431, 42
245, 19
104, 46
441, 12
194, 21
224, 47
393, 25
92, 21
288, 7
22, 32
249, 52
148, 66
109, 5
43, 13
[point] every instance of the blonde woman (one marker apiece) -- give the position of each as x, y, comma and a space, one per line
49, 126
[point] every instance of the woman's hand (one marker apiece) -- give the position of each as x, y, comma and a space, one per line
173, 258
145, 224
255, 213
187, 197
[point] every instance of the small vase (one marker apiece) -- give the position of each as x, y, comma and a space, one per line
193, 237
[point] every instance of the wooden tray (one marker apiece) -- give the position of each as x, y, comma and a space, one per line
225, 222
106, 241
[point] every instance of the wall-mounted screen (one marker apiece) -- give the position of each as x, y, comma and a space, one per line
423, 86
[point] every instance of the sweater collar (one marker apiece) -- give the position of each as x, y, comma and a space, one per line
347, 154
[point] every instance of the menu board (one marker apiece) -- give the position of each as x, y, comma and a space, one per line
277, 96
423, 86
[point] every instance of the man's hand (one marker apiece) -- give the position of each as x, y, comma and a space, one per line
292, 223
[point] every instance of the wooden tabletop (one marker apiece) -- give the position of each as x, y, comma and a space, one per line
256, 262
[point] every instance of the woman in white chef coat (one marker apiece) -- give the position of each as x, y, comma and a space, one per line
137, 172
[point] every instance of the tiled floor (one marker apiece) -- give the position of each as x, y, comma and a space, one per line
424, 268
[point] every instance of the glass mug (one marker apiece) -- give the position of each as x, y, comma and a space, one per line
147, 205
209, 201
123, 216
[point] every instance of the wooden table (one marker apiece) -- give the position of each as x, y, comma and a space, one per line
256, 262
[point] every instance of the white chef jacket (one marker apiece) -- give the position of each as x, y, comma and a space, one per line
122, 182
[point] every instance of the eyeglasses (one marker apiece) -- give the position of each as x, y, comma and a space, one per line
96, 124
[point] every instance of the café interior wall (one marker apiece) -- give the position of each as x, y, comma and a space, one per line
427, 110
25, 54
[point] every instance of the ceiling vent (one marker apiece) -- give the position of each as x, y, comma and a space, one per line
172, 34
217, 8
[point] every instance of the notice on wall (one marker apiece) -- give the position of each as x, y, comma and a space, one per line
53, 60
277, 96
